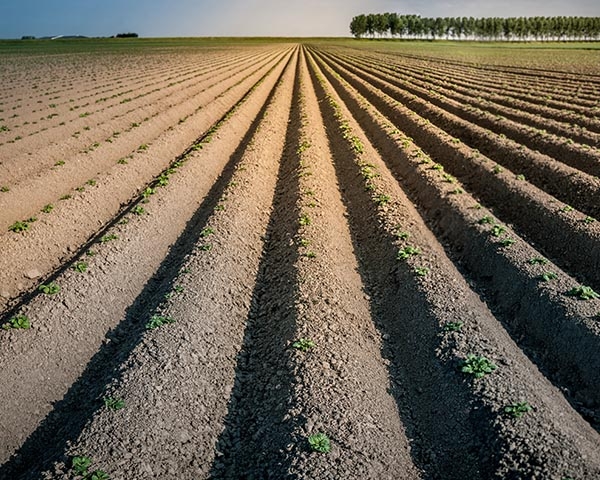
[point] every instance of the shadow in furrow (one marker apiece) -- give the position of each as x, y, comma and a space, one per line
257, 427
449, 438
70, 415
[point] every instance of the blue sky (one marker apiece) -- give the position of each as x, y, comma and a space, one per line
157, 18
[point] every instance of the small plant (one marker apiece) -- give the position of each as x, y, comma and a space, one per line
303, 344
139, 210
113, 403
18, 322
319, 442
406, 252
206, 232
90, 253
583, 292
457, 191
143, 147
158, 321
48, 208
437, 166
109, 238
497, 169
485, 220
589, 220
537, 261
548, 276
4, 189
19, 227
219, 208
448, 178
80, 465
421, 271
59, 163
97, 475
498, 230
453, 326
50, 288
179, 288
91, 182
521, 177
304, 242
382, 199
507, 242
478, 366
402, 235
122, 161
65, 197
310, 254
80, 267
517, 410
567, 208
206, 247
149, 191
305, 220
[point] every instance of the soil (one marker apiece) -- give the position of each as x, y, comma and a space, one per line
295, 195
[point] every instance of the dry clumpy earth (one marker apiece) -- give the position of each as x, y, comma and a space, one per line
268, 260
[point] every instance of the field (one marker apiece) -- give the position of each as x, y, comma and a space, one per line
299, 259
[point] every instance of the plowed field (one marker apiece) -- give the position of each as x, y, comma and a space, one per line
211, 254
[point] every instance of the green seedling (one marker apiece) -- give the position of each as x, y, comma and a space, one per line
65, 197
143, 147
537, 261
113, 403
139, 210
303, 344
178, 288
421, 271
319, 442
80, 266
304, 242
517, 410
448, 178
206, 247
400, 234
4, 189
109, 238
437, 166
521, 177
382, 199
485, 220
310, 254
122, 161
406, 252
457, 191
60, 163
497, 169
567, 208
548, 276
478, 366
19, 322
149, 191
19, 227
453, 326
163, 180
507, 242
91, 182
206, 232
305, 220
97, 475
582, 292
50, 288
219, 208
589, 220
158, 321
90, 253
80, 189
498, 230
48, 208
80, 465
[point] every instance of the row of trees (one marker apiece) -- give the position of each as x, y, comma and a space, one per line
470, 28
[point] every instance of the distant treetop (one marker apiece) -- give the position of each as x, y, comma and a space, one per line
470, 28
127, 35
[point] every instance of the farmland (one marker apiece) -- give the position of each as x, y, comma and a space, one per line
299, 259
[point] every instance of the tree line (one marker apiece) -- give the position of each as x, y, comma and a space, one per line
470, 28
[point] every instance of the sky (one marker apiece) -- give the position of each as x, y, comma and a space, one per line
291, 18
